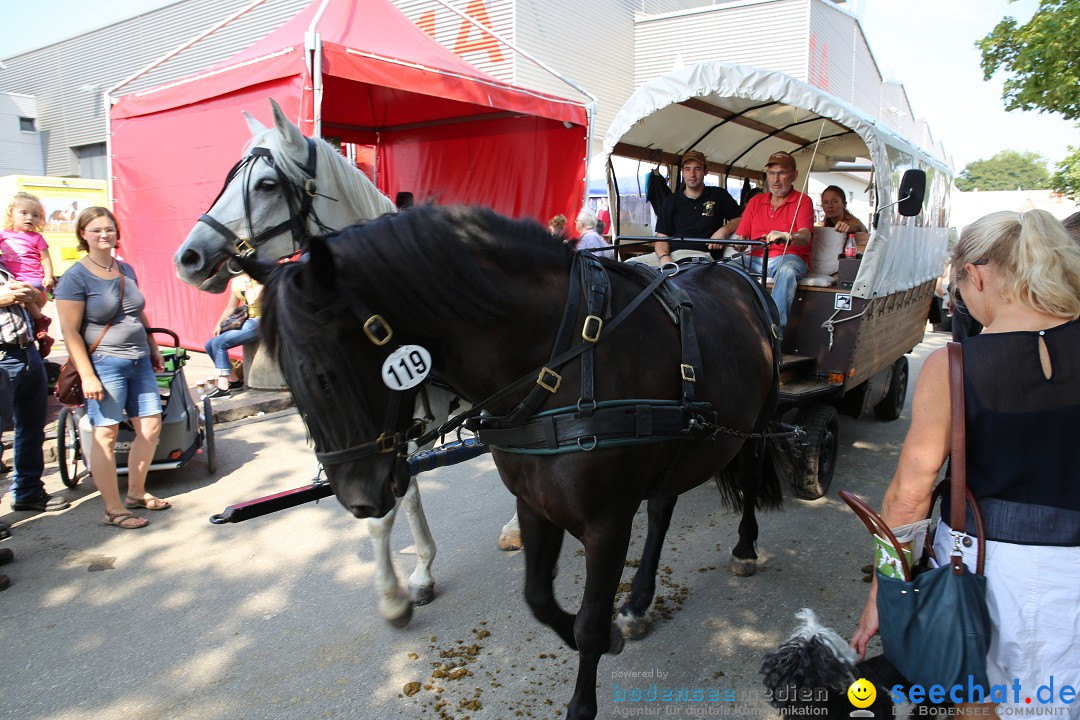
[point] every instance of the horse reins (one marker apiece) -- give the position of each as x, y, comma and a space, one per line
649, 420
299, 199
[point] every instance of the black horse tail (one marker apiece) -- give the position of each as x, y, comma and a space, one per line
766, 490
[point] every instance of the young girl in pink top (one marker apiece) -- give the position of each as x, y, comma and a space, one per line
25, 254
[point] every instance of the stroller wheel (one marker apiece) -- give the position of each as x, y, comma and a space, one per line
208, 435
68, 446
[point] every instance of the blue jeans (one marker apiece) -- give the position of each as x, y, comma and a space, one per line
786, 272
218, 347
23, 397
130, 385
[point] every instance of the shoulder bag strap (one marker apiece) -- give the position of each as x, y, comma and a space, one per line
960, 493
119, 312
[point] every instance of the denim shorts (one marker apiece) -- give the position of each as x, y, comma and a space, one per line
129, 385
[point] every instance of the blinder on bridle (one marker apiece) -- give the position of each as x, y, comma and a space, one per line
378, 332
298, 198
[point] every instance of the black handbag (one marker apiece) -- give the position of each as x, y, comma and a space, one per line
935, 625
236, 320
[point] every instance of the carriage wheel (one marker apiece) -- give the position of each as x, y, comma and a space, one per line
208, 436
69, 447
820, 447
892, 404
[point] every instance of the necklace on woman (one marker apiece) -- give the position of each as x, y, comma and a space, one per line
112, 262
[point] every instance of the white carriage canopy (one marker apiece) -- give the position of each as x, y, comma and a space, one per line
738, 116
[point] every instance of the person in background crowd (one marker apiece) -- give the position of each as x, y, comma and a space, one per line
699, 211
23, 397
834, 205
590, 239
557, 226
1019, 275
783, 215
243, 292
119, 376
25, 254
404, 200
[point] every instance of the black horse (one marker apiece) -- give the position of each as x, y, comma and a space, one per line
663, 408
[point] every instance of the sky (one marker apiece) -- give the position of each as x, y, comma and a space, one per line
928, 45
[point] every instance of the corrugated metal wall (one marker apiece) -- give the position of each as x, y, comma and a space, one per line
69, 76
468, 41
20, 151
769, 34
608, 47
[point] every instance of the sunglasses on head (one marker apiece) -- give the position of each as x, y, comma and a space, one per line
958, 301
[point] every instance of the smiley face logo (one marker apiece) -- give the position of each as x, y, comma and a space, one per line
862, 693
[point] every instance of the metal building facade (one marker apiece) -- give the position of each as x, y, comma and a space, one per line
607, 47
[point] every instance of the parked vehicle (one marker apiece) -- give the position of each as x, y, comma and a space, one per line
853, 319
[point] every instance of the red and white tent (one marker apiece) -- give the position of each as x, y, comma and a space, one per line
441, 129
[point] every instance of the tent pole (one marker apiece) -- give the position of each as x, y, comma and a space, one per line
313, 52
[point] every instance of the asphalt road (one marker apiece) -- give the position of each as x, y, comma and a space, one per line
276, 617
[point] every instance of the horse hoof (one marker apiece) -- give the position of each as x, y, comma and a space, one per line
632, 627
742, 567
400, 621
617, 641
510, 541
422, 595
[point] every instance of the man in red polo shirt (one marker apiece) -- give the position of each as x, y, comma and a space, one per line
782, 215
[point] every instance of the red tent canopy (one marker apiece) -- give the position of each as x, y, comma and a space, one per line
441, 129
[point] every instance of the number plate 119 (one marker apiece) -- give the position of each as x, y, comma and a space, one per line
406, 367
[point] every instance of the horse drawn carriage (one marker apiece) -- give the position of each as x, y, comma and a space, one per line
608, 440
853, 319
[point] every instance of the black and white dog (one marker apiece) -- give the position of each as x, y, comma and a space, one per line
814, 669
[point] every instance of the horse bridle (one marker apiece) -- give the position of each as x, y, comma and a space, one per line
379, 333
299, 198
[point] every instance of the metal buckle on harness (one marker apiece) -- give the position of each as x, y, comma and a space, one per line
593, 336
387, 444
549, 380
310, 188
688, 373
370, 330
244, 246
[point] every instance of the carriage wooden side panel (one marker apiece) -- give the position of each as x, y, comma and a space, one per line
891, 327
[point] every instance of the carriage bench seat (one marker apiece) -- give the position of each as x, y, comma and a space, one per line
824, 259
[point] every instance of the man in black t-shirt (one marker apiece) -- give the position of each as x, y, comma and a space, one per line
699, 211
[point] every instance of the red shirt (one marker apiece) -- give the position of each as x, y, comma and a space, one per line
759, 218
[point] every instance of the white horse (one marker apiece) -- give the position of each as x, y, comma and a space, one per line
285, 189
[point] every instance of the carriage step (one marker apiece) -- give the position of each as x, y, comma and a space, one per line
791, 366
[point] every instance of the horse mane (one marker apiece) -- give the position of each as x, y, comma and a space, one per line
403, 261
355, 191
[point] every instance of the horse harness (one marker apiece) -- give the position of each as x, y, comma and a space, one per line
299, 199
588, 425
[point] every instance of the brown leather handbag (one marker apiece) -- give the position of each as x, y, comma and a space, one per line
68, 382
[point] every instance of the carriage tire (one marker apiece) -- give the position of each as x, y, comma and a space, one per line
819, 448
68, 446
892, 404
208, 437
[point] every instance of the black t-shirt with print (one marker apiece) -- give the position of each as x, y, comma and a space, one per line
700, 217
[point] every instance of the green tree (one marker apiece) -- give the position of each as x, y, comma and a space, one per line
1042, 57
1008, 170
1066, 177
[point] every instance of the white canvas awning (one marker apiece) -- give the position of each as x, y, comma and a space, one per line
738, 116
